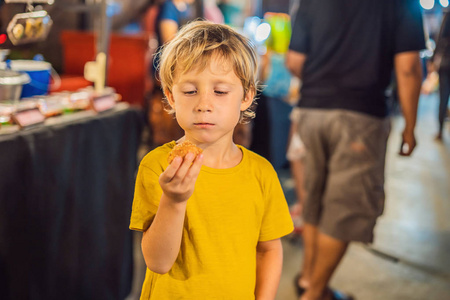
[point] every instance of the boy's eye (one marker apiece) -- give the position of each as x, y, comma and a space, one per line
189, 92
220, 92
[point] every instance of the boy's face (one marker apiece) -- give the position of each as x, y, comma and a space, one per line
208, 102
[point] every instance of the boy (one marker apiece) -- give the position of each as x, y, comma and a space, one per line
221, 239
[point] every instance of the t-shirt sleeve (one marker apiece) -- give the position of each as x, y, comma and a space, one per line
168, 11
277, 221
409, 30
300, 38
147, 194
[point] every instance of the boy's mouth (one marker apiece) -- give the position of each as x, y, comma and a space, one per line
203, 124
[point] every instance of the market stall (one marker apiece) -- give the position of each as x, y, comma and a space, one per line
68, 161
67, 188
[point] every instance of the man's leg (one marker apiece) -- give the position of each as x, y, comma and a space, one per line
330, 251
444, 93
297, 170
309, 254
320, 255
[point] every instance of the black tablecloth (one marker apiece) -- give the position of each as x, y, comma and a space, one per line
65, 202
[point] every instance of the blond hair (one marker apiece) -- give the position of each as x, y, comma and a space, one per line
193, 47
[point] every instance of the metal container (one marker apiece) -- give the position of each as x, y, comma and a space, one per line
11, 84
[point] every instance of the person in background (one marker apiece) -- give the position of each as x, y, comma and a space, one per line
296, 149
344, 52
212, 223
236, 11
172, 14
431, 83
212, 12
295, 155
441, 63
167, 17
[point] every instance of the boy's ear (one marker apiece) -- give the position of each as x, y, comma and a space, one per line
248, 99
169, 97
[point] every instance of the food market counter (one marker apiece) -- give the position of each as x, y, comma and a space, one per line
66, 189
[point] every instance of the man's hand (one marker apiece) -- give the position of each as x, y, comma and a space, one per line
408, 143
295, 62
178, 180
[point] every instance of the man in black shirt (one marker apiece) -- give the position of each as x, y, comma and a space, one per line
441, 59
344, 51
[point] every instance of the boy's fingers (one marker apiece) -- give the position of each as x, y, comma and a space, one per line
194, 170
187, 162
184, 166
198, 161
180, 168
172, 169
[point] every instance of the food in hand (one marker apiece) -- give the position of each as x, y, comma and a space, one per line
182, 149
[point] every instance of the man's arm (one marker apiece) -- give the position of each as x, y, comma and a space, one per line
269, 262
295, 62
444, 31
408, 70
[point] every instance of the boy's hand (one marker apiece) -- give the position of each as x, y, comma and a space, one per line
178, 180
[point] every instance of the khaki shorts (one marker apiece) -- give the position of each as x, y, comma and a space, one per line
344, 171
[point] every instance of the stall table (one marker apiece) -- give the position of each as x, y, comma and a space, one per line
66, 189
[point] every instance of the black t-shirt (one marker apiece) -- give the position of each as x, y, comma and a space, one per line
350, 47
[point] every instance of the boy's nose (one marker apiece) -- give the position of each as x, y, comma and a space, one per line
204, 103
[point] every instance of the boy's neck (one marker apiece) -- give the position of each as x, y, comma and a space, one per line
225, 160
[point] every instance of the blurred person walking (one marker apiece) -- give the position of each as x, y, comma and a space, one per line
165, 17
172, 14
441, 62
344, 52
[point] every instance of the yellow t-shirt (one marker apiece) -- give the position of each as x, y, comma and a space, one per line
230, 211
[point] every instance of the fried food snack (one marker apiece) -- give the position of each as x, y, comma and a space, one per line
182, 149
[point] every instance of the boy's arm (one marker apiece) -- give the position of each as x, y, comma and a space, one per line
161, 242
269, 262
